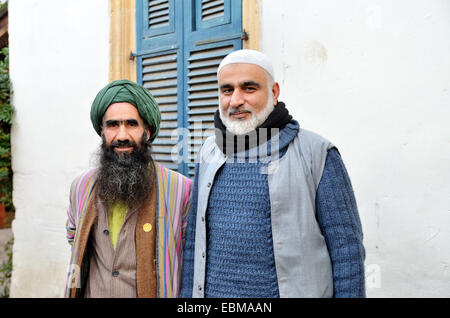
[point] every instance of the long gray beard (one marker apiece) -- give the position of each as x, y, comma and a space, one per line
126, 178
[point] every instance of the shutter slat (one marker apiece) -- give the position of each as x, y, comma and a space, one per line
202, 64
168, 102
160, 86
208, 126
203, 103
203, 80
158, 70
206, 118
162, 141
164, 19
157, 14
156, 2
170, 125
160, 77
164, 159
202, 112
206, 55
211, 3
164, 151
158, 5
156, 95
213, 12
169, 117
208, 95
201, 72
203, 88
160, 60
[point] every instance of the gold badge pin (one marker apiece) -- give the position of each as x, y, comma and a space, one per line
147, 227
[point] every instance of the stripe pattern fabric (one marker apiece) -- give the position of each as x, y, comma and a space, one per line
80, 193
173, 202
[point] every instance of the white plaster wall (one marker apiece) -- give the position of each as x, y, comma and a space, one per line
59, 55
374, 78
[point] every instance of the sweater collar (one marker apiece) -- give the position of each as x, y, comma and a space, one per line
270, 150
230, 143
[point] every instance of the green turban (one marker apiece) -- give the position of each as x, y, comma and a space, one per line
125, 91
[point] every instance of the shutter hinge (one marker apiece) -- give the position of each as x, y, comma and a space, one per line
244, 36
132, 56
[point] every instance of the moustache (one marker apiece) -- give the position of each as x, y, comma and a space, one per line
238, 110
123, 143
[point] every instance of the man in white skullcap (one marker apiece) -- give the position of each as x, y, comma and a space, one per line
273, 213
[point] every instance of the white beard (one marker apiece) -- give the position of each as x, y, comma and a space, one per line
242, 127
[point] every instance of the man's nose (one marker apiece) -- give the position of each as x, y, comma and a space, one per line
122, 134
236, 99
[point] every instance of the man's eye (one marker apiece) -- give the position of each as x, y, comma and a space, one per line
250, 89
132, 123
112, 125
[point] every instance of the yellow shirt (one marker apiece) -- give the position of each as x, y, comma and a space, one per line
116, 217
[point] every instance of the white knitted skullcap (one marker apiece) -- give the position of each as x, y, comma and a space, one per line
248, 57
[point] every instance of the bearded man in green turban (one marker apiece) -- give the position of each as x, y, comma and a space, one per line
127, 217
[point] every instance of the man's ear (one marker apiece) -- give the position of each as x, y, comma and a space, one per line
149, 132
276, 93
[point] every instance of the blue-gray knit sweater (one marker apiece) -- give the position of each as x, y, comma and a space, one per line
240, 260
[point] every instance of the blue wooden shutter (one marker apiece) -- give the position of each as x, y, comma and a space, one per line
160, 68
180, 44
213, 30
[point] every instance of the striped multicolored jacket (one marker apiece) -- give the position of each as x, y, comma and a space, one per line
172, 207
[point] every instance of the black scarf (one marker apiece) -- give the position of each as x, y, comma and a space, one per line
230, 143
